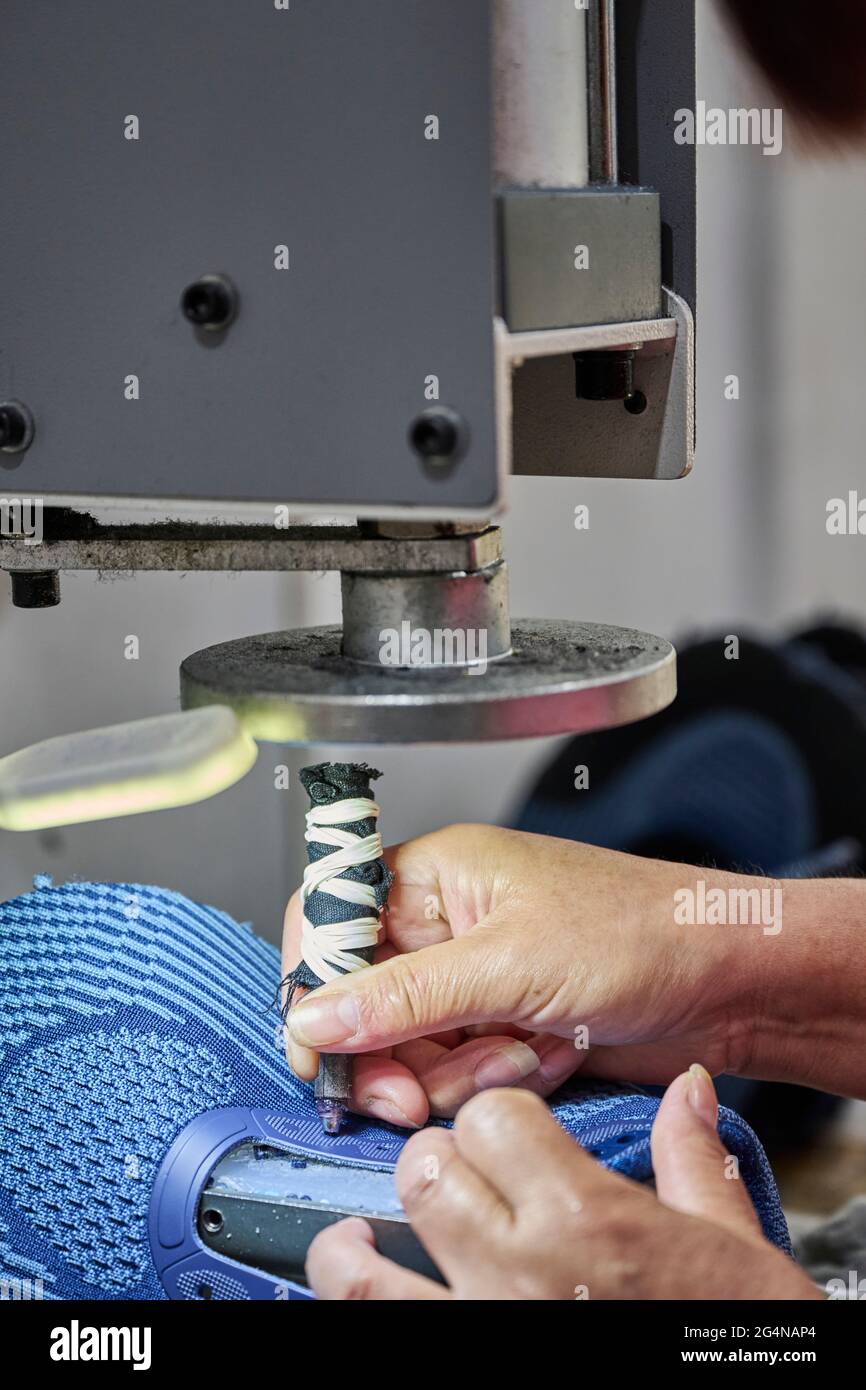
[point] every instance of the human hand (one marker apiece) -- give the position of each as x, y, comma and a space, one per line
510, 1207
504, 955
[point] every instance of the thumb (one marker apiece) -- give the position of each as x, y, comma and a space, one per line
693, 1172
449, 985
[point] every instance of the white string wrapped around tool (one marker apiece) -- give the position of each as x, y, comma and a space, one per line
329, 949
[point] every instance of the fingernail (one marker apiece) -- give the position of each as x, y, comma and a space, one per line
319, 1022
386, 1110
506, 1067
702, 1094
559, 1061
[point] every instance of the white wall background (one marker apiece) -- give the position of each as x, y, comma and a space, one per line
742, 543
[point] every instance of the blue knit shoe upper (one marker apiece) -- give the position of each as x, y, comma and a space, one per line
127, 1011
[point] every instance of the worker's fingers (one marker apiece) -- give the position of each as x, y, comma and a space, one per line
343, 1264
414, 923
557, 1061
387, 1090
303, 1061
291, 943
298, 1058
455, 1211
407, 1084
693, 1172
653, 1063
445, 888
512, 1137
484, 1030
478, 1065
459, 982
450, 1077
422, 1054
453, 1037
415, 915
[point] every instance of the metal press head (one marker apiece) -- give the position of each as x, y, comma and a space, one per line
430, 655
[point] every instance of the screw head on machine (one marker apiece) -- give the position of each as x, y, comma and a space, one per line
16, 427
35, 588
438, 437
210, 302
604, 375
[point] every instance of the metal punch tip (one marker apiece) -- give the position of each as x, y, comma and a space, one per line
332, 1118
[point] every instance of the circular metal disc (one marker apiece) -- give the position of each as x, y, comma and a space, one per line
561, 678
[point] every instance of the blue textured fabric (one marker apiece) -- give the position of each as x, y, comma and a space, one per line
125, 1012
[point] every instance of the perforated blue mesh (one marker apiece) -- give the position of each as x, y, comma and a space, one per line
130, 1091
125, 1011
220, 1287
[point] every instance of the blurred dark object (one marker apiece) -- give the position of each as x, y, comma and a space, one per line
834, 1252
814, 56
758, 767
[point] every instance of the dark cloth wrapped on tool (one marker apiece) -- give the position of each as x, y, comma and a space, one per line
327, 784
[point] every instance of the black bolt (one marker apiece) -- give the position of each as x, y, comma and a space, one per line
210, 302
212, 1220
35, 588
604, 376
16, 427
438, 437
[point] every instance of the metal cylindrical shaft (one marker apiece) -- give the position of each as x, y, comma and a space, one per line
411, 620
601, 67
540, 94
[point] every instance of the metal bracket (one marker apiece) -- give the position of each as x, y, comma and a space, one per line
555, 435
76, 541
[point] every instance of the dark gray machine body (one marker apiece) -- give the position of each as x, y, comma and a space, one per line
306, 127
259, 128
309, 279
